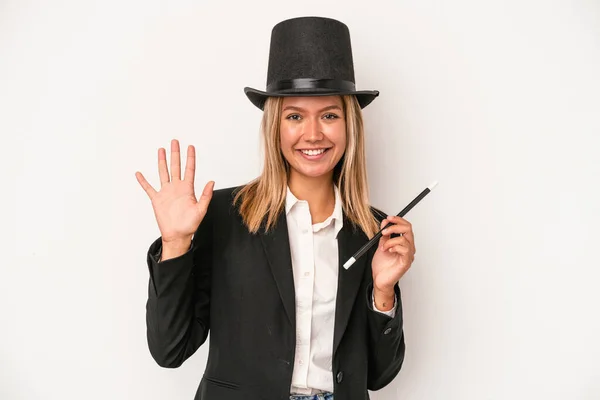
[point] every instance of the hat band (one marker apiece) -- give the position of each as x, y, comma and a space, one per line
309, 83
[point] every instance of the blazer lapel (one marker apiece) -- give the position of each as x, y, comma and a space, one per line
349, 280
277, 248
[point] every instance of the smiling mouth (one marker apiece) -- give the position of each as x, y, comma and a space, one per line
314, 152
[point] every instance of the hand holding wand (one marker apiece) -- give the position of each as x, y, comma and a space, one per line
375, 238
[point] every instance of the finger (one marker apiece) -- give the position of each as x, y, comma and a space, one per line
397, 241
163, 171
206, 196
190, 165
175, 160
402, 226
145, 185
396, 228
398, 220
384, 238
402, 250
409, 236
401, 230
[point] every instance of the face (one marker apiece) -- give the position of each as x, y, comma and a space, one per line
313, 134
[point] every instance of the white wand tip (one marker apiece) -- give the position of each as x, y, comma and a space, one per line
434, 184
349, 262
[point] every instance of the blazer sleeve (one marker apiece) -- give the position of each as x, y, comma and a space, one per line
386, 336
178, 306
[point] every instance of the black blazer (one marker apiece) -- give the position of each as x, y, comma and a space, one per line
240, 286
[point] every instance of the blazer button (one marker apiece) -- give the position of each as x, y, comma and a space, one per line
340, 376
388, 330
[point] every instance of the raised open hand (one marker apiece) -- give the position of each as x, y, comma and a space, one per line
177, 211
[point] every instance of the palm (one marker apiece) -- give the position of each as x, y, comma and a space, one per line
177, 211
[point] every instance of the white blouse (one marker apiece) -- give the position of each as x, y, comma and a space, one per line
314, 252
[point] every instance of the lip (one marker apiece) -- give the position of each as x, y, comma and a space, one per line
313, 158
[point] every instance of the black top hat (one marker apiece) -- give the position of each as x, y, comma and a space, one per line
310, 56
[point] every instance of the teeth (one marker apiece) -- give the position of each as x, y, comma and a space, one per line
313, 152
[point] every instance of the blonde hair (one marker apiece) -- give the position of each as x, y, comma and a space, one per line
263, 199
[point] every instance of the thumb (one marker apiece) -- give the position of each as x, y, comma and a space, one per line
205, 197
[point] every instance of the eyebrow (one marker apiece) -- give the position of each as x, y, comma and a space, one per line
321, 110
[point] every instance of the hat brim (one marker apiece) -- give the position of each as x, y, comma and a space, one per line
258, 97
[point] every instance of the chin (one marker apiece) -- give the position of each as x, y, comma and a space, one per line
314, 173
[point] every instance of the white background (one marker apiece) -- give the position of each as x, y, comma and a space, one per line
497, 100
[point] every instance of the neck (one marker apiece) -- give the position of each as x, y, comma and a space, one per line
318, 192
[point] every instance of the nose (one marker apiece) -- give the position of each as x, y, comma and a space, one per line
312, 130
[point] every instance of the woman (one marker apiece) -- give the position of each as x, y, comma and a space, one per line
260, 265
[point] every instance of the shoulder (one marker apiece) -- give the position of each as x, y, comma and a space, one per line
221, 209
225, 195
223, 199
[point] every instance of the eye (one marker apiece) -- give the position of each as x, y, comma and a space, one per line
294, 117
330, 116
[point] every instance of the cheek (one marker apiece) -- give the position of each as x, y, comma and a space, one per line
342, 141
287, 138
339, 138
